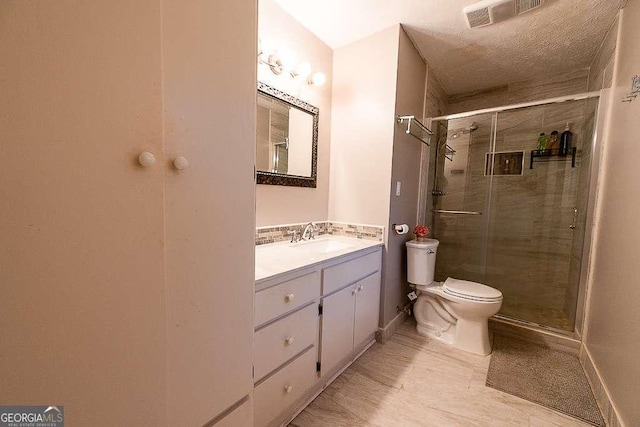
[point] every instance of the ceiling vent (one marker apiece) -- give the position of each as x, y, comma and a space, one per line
523, 6
487, 12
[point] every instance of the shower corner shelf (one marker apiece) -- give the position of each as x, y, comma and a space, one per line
545, 156
416, 129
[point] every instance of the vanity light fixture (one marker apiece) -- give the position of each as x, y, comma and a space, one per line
302, 71
282, 60
317, 79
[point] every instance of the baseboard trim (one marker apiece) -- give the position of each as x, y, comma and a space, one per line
383, 334
600, 391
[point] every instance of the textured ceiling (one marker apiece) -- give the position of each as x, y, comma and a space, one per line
559, 36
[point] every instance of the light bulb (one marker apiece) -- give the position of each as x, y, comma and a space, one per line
318, 79
302, 71
287, 59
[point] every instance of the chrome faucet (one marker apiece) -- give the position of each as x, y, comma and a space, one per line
295, 235
311, 229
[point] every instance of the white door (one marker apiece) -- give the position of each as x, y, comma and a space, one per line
367, 309
337, 327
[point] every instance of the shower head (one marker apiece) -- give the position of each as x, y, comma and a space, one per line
458, 132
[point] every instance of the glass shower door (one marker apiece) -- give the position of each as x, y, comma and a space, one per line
460, 196
534, 241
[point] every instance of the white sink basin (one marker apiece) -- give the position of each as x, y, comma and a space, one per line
277, 258
323, 246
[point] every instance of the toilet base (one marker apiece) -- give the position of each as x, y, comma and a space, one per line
430, 332
434, 320
473, 336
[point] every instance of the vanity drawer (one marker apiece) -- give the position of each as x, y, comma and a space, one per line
282, 340
282, 389
336, 277
241, 416
277, 300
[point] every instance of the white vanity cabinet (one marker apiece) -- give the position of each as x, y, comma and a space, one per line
285, 343
240, 416
350, 313
309, 324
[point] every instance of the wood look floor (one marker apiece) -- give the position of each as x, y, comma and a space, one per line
414, 381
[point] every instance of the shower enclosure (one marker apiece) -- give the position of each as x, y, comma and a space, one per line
509, 215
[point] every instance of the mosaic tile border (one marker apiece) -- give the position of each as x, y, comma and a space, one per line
365, 232
279, 233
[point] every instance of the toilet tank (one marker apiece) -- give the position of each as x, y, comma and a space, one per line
421, 261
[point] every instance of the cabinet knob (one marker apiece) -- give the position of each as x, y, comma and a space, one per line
288, 389
360, 288
289, 297
289, 340
147, 159
354, 291
180, 163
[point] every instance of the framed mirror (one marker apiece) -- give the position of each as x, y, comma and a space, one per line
286, 139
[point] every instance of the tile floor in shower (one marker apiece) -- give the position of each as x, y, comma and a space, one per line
414, 381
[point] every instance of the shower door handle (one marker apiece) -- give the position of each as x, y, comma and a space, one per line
575, 219
444, 211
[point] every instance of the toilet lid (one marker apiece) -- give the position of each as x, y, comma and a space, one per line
470, 290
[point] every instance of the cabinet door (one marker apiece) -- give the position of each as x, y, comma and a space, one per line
367, 311
209, 118
337, 327
81, 222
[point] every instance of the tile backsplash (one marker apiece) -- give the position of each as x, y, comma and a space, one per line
279, 233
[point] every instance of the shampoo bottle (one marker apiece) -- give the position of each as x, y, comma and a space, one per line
565, 142
553, 140
542, 142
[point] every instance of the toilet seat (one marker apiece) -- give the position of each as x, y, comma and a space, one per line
470, 290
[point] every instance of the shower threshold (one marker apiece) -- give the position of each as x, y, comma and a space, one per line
558, 339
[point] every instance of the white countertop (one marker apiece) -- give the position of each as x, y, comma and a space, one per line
277, 258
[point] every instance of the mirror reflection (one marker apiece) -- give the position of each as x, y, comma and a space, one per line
286, 139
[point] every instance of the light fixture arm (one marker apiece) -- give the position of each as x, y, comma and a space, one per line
278, 66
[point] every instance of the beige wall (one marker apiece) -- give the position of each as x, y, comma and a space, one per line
436, 97
81, 260
613, 322
277, 29
601, 69
362, 128
410, 100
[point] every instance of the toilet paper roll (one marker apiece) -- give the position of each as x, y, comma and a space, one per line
401, 228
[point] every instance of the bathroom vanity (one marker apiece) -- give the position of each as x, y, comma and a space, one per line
316, 310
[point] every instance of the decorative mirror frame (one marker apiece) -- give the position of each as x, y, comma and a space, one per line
271, 178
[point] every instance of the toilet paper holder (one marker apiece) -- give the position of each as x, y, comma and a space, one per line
400, 229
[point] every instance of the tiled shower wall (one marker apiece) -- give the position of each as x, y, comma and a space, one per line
280, 233
531, 255
561, 84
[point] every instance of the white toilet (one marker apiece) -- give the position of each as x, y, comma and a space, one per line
455, 311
